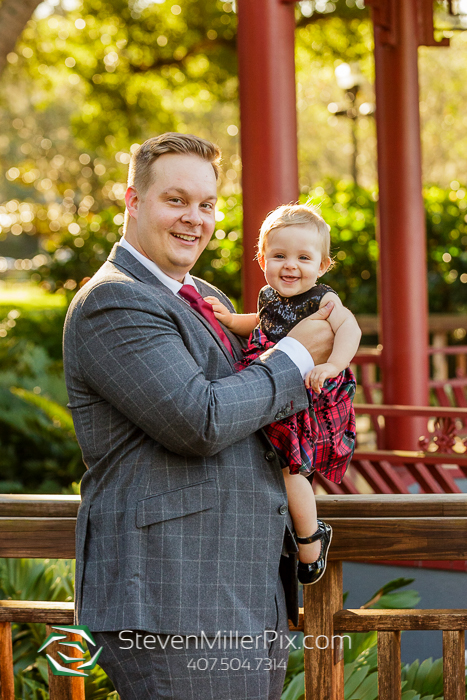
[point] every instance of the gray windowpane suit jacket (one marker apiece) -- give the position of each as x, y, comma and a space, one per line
182, 522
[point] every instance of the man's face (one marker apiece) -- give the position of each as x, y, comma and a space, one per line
172, 223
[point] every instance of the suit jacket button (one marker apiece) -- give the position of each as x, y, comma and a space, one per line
270, 456
283, 509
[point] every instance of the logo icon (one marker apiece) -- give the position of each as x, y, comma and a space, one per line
81, 631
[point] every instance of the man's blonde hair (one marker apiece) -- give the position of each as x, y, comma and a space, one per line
141, 175
295, 215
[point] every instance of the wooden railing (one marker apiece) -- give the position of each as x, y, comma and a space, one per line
443, 329
37, 527
376, 528
446, 391
440, 354
366, 528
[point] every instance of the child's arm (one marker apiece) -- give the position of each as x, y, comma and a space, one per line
347, 338
241, 324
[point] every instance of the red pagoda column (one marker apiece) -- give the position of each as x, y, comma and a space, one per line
403, 263
266, 30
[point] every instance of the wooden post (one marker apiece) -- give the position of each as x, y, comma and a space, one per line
461, 366
440, 363
7, 683
389, 665
64, 687
368, 379
454, 665
324, 656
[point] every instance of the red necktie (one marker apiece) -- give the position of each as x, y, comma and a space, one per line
197, 302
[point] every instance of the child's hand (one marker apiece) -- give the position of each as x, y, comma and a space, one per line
318, 375
221, 312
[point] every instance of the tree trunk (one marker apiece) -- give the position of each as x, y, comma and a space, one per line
13, 17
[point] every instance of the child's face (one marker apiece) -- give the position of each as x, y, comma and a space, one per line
292, 259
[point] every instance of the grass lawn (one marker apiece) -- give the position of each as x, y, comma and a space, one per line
31, 296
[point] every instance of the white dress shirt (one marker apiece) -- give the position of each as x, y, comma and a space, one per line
293, 348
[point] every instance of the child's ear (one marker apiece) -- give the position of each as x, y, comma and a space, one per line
260, 259
325, 263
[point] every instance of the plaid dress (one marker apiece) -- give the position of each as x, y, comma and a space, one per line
322, 438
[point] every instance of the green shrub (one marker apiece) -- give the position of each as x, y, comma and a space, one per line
38, 452
37, 579
351, 212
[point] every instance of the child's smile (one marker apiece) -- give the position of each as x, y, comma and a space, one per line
293, 260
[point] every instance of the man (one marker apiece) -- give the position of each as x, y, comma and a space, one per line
183, 512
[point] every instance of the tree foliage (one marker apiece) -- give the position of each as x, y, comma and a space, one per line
84, 85
351, 213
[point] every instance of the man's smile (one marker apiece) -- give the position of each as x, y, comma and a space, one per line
184, 236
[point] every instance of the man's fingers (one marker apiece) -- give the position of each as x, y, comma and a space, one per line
323, 312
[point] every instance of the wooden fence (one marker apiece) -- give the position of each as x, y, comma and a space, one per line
368, 527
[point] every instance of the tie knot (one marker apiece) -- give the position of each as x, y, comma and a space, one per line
189, 293
196, 301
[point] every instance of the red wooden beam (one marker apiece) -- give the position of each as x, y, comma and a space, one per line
404, 299
407, 411
402, 457
448, 350
265, 40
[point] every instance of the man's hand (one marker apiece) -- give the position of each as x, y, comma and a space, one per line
221, 312
318, 375
316, 334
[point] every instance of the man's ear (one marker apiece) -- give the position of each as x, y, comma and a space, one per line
132, 202
325, 263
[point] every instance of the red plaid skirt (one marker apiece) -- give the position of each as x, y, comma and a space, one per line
321, 438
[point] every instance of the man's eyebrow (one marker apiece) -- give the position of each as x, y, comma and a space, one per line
184, 192
175, 189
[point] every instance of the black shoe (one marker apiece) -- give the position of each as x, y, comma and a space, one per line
311, 573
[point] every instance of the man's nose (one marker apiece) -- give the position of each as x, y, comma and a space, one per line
192, 216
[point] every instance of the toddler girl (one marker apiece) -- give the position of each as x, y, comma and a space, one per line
293, 252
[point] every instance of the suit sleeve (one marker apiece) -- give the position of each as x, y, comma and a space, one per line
137, 360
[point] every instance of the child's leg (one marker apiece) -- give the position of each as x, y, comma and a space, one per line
302, 507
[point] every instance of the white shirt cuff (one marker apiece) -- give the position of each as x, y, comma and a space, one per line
297, 353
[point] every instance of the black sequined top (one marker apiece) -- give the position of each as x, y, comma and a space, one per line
278, 314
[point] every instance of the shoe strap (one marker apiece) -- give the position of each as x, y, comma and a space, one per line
318, 535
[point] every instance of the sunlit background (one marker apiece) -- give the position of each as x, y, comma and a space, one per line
86, 82
82, 84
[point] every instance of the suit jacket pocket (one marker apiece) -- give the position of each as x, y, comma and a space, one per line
176, 503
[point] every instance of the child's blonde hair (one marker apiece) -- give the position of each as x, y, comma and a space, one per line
295, 215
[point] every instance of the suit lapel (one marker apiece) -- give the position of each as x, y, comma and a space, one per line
123, 259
